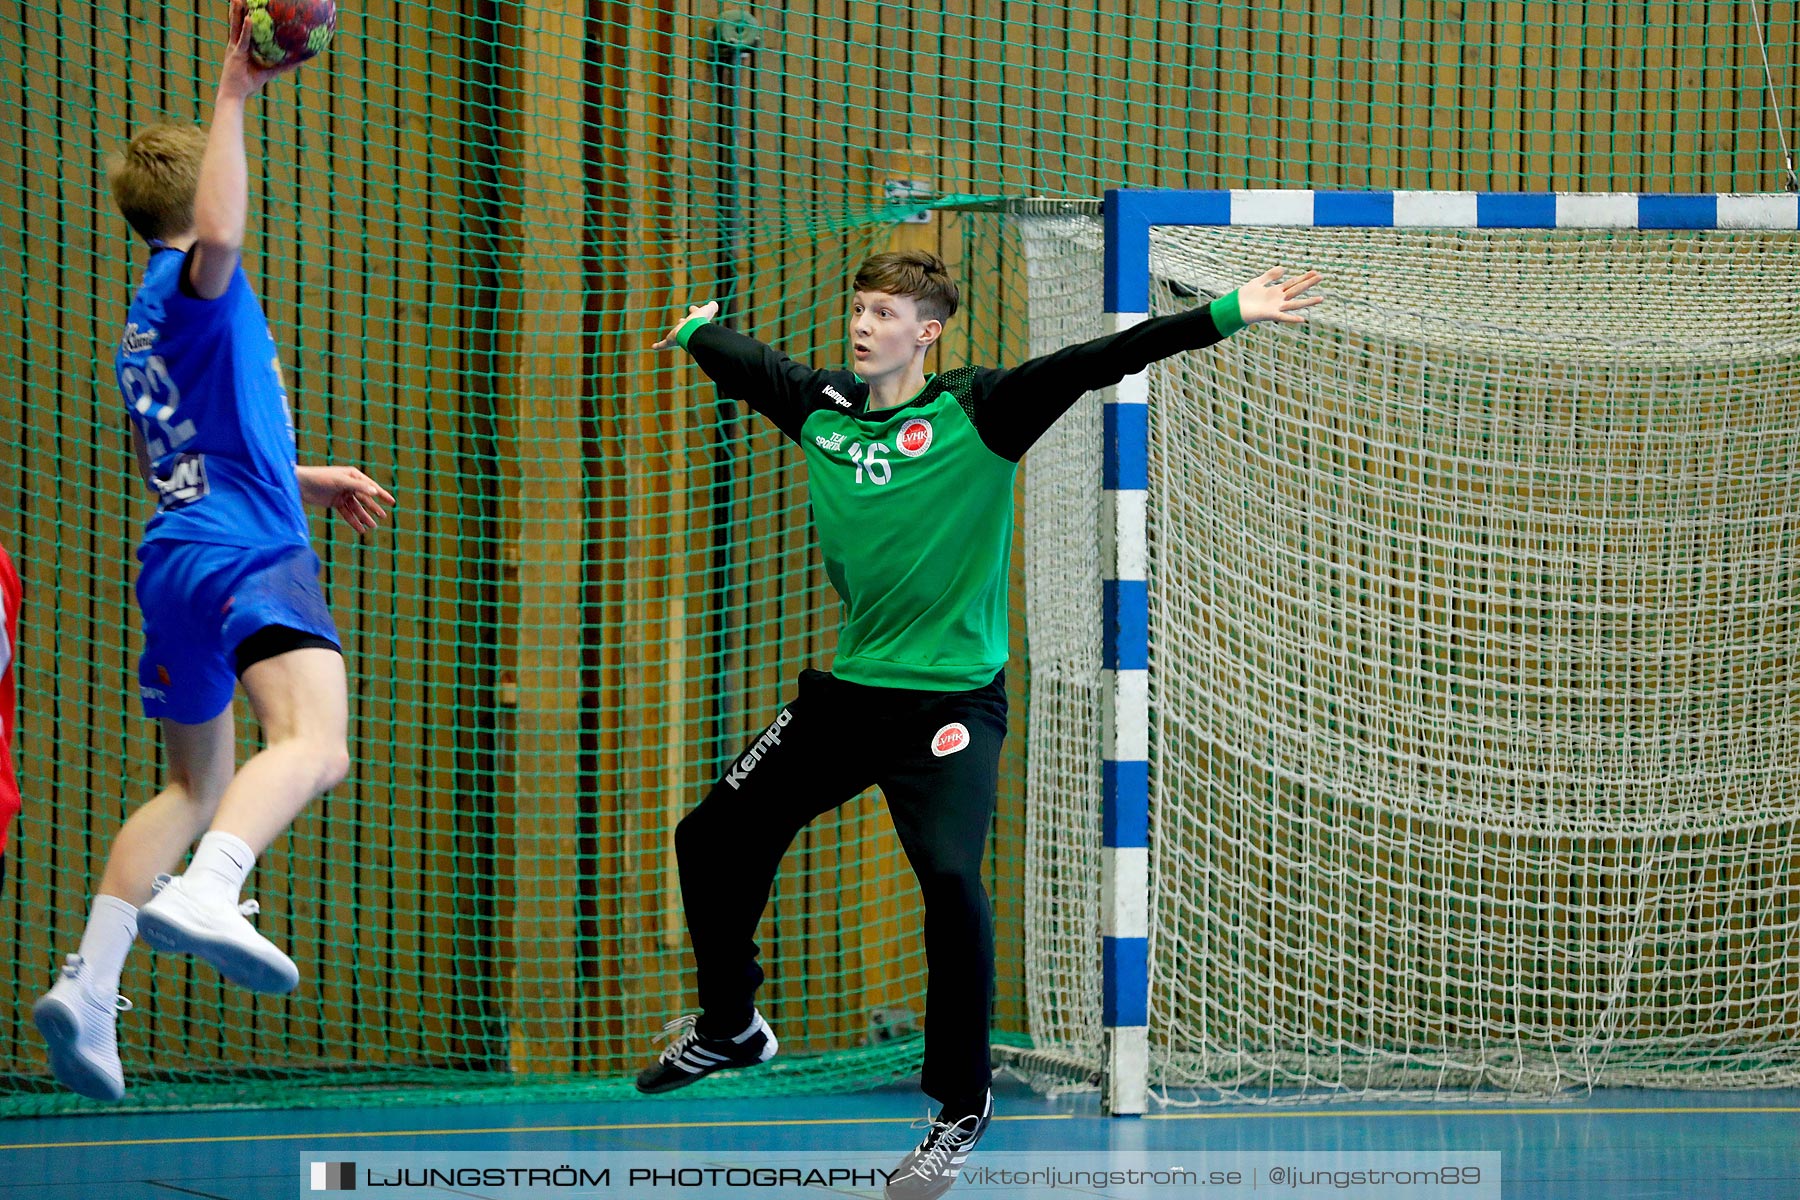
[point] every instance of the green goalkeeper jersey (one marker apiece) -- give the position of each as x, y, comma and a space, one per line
914, 505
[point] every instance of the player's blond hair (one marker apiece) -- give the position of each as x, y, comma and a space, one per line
918, 274
154, 178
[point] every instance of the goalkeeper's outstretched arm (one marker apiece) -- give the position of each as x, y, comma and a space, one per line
1015, 407
744, 369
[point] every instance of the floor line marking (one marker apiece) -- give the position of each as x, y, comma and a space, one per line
324, 1135
351, 1135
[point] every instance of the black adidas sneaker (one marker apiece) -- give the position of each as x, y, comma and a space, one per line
692, 1056
936, 1163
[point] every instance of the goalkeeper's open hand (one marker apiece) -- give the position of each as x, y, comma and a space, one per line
1269, 298
709, 310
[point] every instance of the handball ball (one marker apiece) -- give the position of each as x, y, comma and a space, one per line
288, 31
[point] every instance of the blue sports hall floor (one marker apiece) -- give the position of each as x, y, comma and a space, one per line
1632, 1144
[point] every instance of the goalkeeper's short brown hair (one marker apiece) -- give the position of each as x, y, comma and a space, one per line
155, 176
918, 274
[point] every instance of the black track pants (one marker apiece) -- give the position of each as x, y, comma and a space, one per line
936, 758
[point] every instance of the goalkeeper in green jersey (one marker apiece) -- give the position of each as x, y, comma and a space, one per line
911, 480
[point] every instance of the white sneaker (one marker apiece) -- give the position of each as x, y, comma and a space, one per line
81, 1028
176, 920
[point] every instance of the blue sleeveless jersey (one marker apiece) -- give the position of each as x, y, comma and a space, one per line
202, 381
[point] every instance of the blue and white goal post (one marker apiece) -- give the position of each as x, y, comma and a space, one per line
1129, 217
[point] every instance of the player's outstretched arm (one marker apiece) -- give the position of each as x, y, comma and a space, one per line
1014, 408
222, 195
347, 492
746, 370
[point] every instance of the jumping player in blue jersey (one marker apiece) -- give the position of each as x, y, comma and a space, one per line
228, 587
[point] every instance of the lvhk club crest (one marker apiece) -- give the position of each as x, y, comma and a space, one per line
915, 437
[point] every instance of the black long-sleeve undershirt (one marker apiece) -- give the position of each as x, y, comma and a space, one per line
1011, 408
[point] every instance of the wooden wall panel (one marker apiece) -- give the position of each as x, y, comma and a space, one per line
1404, 93
542, 410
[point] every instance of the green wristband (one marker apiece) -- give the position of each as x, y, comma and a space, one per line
687, 330
1226, 316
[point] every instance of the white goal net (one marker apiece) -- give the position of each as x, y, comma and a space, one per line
1475, 626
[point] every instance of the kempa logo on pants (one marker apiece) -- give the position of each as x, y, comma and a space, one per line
333, 1177
740, 770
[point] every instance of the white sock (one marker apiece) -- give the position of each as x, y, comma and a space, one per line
219, 866
111, 928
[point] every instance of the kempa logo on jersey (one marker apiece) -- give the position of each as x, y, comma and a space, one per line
950, 739
740, 770
915, 437
842, 400
136, 340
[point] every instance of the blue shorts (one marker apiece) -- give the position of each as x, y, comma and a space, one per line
200, 601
